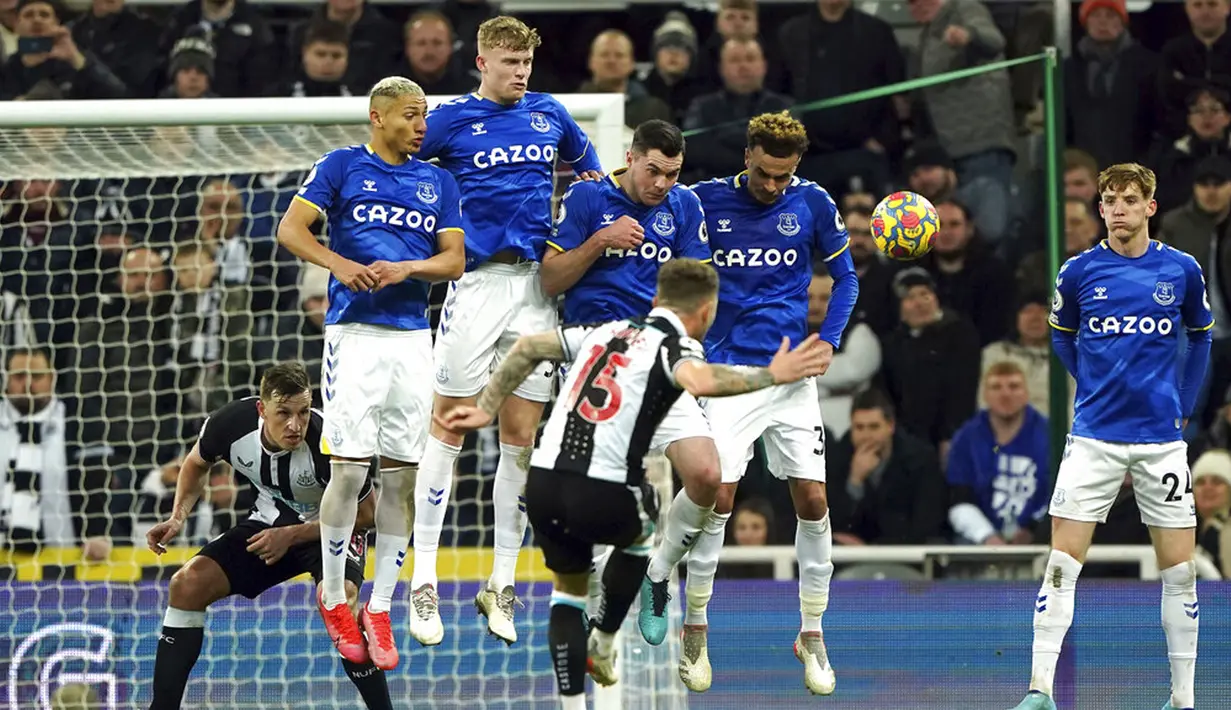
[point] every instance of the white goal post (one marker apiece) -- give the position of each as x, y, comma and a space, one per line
200, 186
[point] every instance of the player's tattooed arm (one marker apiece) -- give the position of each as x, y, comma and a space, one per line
529, 351
701, 379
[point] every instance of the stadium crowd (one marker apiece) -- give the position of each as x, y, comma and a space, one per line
134, 306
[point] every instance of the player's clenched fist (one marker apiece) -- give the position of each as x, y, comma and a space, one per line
464, 418
624, 233
809, 358
356, 277
389, 273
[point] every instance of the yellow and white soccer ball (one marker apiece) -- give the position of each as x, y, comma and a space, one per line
904, 226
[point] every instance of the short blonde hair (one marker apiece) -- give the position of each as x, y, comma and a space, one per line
1004, 368
1121, 176
395, 87
509, 33
778, 134
686, 284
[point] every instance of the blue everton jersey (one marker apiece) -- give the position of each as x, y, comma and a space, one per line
764, 254
621, 283
1127, 315
504, 159
381, 212
1011, 483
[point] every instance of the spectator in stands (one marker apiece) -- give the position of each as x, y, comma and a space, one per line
611, 72
854, 364
1111, 86
124, 40
885, 486
49, 502
969, 278
8, 29
1200, 228
1191, 60
734, 19
301, 335
834, 50
245, 62
875, 304
931, 172
752, 525
196, 328
673, 75
720, 151
999, 467
1029, 351
1218, 434
1081, 231
323, 63
1081, 176
191, 70
372, 42
124, 353
1212, 499
972, 118
1176, 162
466, 16
931, 362
80, 75
429, 58
220, 221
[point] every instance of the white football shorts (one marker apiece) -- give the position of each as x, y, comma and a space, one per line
789, 418
485, 313
1092, 472
377, 391
684, 420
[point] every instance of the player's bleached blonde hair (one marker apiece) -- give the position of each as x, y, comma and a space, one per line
509, 33
686, 284
1122, 176
394, 87
778, 134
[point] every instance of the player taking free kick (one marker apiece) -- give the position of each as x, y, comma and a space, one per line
587, 481
1116, 316
501, 143
395, 225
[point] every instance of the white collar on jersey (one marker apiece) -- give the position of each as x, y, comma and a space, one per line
671, 318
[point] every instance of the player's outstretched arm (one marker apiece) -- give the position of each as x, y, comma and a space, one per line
526, 354
189, 486
295, 233
702, 379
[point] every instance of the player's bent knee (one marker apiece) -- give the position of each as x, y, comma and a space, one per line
198, 584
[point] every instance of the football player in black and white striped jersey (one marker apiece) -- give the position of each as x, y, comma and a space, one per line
274, 441
587, 481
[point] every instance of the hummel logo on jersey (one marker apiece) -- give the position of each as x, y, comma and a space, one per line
477, 129
724, 225
1100, 293
369, 186
788, 224
608, 220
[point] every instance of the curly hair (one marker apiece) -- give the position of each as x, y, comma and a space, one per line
778, 134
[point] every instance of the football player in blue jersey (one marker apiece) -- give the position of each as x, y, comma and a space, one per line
767, 227
395, 226
610, 239
1117, 318
501, 143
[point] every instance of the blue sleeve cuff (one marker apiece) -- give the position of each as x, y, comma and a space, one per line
1196, 361
1064, 343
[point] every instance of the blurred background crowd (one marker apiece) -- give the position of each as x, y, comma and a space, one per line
132, 306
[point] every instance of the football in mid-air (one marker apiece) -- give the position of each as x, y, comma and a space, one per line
904, 226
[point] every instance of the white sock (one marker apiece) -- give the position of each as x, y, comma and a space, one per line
814, 550
1053, 614
702, 565
573, 702
432, 490
393, 516
684, 523
339, 506
179, 619
509, 501
1180, 625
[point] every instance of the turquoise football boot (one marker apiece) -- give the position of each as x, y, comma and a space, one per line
652, 617
1035, 700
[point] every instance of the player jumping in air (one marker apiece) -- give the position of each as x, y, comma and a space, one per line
395, 226
1117, 317
766, 227
501, 143
275, 442
610, 241
587, 482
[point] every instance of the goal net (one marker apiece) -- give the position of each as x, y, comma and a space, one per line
138, 250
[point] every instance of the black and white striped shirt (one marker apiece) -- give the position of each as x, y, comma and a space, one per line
289, 483
620, 386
